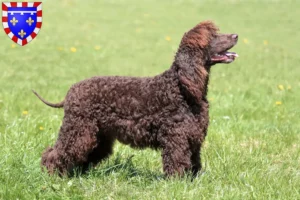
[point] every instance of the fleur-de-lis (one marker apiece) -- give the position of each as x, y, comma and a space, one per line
14, 21
29, 21
22, 33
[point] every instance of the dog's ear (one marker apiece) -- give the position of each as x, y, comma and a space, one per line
193, 81
200, 36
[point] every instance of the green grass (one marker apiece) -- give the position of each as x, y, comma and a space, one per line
253, 145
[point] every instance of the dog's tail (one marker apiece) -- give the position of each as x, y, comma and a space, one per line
53, 105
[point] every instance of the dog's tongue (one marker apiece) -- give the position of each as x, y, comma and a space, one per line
225, 57
230, 54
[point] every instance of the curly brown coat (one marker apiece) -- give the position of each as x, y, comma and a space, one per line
167, 112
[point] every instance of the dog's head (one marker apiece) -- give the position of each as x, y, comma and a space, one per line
213, 46
200, 48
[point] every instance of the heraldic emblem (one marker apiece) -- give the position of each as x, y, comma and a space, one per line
22, 21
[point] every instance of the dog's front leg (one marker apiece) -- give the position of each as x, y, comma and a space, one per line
176, 151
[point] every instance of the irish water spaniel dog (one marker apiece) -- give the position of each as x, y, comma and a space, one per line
168, 111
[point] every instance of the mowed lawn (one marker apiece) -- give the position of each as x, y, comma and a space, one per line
253, 146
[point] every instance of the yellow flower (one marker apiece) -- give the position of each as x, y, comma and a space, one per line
278, 103
41, 128
246, 41
289, 87
73, 49
138, 30
265, 42
13, 46
97, 47
168, 38
280, 87
25, 112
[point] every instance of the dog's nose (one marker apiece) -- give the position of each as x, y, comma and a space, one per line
234, 36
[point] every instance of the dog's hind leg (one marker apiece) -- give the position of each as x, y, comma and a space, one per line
76, 140
102, 151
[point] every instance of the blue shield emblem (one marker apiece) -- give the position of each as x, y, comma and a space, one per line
22, 21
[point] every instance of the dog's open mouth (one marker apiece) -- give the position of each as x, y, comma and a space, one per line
224, 57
